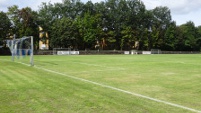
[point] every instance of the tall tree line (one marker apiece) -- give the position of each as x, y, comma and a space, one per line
113, 24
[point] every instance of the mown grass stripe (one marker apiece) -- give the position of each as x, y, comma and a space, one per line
102, 85
120, 90
4, 79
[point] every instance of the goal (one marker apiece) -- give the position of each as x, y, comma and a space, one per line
64, 51
22, 49
155, 51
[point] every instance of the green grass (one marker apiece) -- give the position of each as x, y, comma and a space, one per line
170, 78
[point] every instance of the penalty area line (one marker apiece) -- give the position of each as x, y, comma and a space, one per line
118, 89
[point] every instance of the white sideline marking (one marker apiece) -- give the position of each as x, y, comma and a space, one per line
117, 89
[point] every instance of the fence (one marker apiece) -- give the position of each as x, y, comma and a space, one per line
101, 52
111, 52
180, 52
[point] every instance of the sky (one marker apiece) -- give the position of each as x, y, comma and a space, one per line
182, 11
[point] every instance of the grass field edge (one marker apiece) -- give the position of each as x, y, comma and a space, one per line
116, 89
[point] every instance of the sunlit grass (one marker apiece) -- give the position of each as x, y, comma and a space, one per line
171, 78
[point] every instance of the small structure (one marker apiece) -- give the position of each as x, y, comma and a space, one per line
100, 44
43, 39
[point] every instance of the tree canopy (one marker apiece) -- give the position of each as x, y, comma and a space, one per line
112, 24
4, 26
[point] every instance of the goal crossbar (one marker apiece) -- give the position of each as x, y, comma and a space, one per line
21, 47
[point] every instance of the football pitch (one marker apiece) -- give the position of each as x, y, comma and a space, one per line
101, 84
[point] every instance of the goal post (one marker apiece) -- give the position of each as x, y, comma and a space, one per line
31, 54
64, 51
21, 49
155, 51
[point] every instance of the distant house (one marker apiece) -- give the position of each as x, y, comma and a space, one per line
43, 39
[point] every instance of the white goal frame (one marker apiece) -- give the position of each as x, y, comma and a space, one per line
12, 44
64, 51
155, 51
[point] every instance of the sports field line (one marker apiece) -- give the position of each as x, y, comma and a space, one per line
121, 90
116, 89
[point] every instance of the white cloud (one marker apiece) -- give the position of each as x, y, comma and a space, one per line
176, 6
3, 5
184, 6
37, 3
94, 1
34, 4
181, 10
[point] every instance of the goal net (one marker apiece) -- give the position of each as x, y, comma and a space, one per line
64, 51
155, 51
22, 49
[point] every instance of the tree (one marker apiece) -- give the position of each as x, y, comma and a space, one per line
161, 21
146, 29
115, 23
47, 15
89, 29
29, 25
199, 36
4, 26
121, 13
170, 37
62, 33
128, 38
189, 36
24, 22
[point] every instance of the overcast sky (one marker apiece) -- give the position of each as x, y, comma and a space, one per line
181, 10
